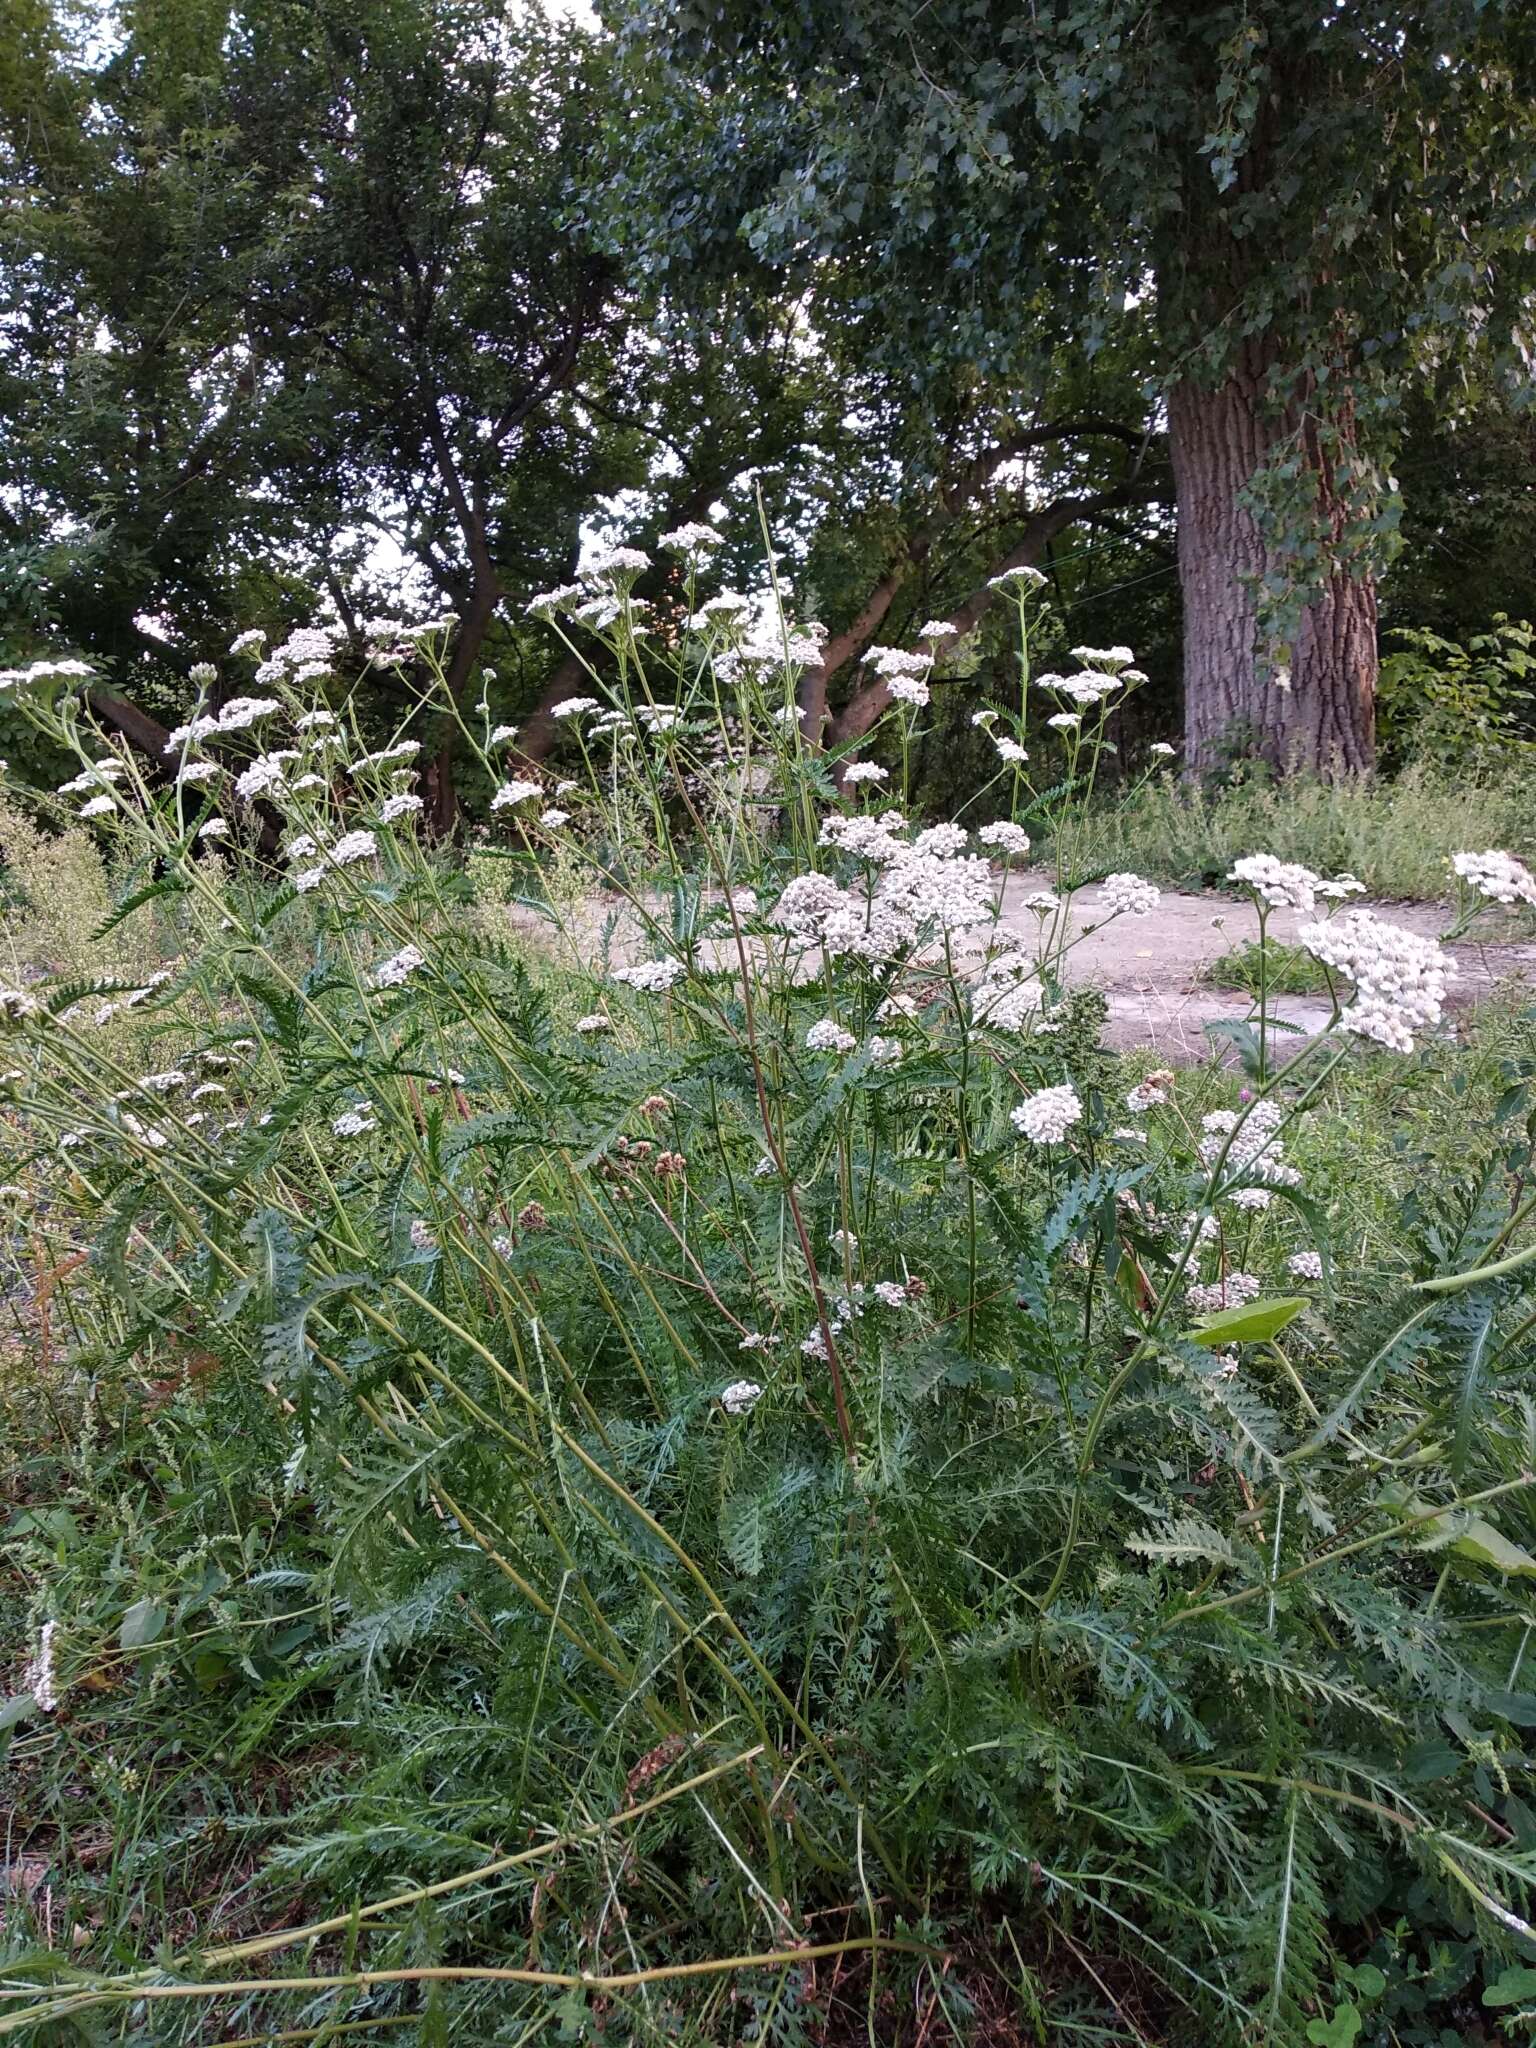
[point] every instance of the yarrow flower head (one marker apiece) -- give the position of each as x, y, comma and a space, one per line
353, 1123
611, 563
1234, 1290
1400, 979
1046, 1116
1018, 580
740, 1396
1305, 1265
1285, 885
865, 771
692, 538
353, 846
1498, 876
1010, 839
1128, 895
1104, 657
829, 1036
652, 977
393, 971
513, 793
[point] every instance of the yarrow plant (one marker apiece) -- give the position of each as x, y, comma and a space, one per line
1114, 1530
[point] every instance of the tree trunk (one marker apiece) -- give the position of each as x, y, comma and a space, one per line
1325, 720
442, 790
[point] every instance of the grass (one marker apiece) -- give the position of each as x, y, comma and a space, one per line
760, 1493
1396, 836
1284, 970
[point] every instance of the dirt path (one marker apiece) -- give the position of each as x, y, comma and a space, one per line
1156, 971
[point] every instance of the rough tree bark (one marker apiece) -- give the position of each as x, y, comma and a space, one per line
1325, 721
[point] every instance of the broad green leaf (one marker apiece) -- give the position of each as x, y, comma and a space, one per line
1515, 1986
1341, 2031
141, 1624
1254, 1323
1481, 1542
21, 1706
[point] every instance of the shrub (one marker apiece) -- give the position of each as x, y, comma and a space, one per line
739, 1490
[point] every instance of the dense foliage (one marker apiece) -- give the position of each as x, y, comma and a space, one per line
640, 1436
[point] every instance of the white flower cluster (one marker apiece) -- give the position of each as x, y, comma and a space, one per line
1017, 580
511, 793
925, 885
1128, 895
1088, 687
42, 671
1235, 1291
740, 1396
1046, 1116
1255, 1151
1498, 876
1285, 885
1400, 979
610, 563
1306, 1265
352, 1123
1104, 657
1007, 993
306, 653
652, 977
391, 972
691, 538
1149, 1094
236, 716
865, 771
829, 1036
1009, 839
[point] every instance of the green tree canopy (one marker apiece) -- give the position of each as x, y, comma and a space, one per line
1291, 212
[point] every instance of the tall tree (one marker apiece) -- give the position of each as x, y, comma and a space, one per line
1290, 208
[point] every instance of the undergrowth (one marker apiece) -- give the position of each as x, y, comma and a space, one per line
1395, 833
741, 1479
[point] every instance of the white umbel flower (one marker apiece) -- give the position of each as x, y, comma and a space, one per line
1046, 1116
740, 1396
1008, 838
1498, 876
1128, 895
652, 977
511, 793
1400, 979
829, 1036
392, 972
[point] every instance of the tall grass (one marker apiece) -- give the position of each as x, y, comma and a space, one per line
747, 1487
1397, 835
